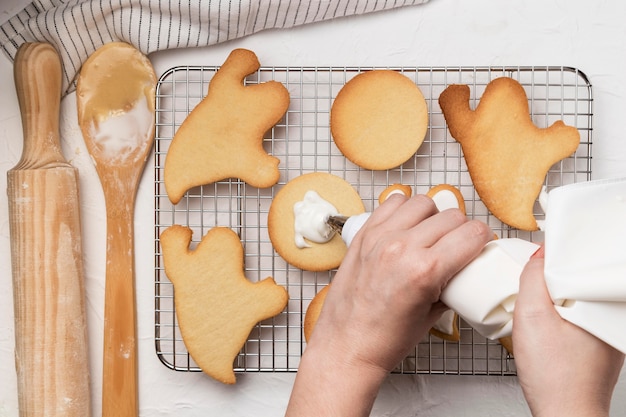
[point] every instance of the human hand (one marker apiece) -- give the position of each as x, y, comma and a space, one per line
563, 370
383, 300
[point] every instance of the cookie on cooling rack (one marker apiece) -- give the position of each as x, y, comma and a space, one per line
313, 312
216, 306
394, 189
445, 197
507, 156
222, 137
281, 220
379, 119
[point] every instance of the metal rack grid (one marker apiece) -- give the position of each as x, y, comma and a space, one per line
303, 142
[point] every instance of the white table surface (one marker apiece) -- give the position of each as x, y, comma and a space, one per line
584, 34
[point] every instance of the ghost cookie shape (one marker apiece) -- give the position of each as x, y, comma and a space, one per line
222, 137
507, 156
216, 306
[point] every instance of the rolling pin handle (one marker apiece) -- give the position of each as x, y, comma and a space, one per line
37, 75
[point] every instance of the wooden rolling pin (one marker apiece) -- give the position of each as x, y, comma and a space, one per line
51, 353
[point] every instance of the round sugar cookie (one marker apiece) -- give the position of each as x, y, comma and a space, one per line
313, 312
281, 218
379, 119
447, 196
393, 189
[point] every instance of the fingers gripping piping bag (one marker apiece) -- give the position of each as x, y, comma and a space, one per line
585, 264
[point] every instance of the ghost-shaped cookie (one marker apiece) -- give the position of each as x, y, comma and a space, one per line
507, 156
222, 137
216, 305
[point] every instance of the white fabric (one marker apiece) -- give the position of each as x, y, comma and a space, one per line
585, 260
76, 28
585, 266
484, 292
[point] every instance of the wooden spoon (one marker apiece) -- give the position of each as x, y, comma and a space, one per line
116, 111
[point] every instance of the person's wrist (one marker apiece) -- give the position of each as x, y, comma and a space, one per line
582, 407
333, 382
577, 412
337, 357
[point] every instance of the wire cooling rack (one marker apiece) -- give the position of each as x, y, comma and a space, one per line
303, 143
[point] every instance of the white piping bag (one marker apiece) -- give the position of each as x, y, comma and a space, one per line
585, 259
585, 265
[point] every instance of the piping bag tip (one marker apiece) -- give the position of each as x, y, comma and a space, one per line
346, 226
336, 222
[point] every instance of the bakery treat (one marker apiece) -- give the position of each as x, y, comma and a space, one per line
216, 306
379, 119
281, 220
313, 312
394, 189
222, 137
507, 156
445, 197
507, 343
447, 327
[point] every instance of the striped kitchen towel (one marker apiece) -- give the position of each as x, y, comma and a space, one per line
78, 27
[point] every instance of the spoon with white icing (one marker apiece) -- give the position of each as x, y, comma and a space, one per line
116, 112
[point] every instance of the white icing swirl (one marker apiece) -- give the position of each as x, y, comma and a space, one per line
445, 199
310, 219
394, 192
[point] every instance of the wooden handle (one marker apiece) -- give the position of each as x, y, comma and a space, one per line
115, 79
119, 378
50, 327
37, 74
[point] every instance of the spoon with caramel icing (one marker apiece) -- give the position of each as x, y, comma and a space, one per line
116, 112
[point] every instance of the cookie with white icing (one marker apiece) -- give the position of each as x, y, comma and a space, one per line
445, 197
315, 256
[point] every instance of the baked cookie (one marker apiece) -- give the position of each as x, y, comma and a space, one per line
313, 312
394, 189
216, 306
222, 137
507, 156
507, 343
379, 119
447, 327
281, 220
445, 197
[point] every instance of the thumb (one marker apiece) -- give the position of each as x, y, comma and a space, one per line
533, 299
534, 307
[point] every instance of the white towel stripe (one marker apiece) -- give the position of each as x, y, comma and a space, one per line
78, 27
